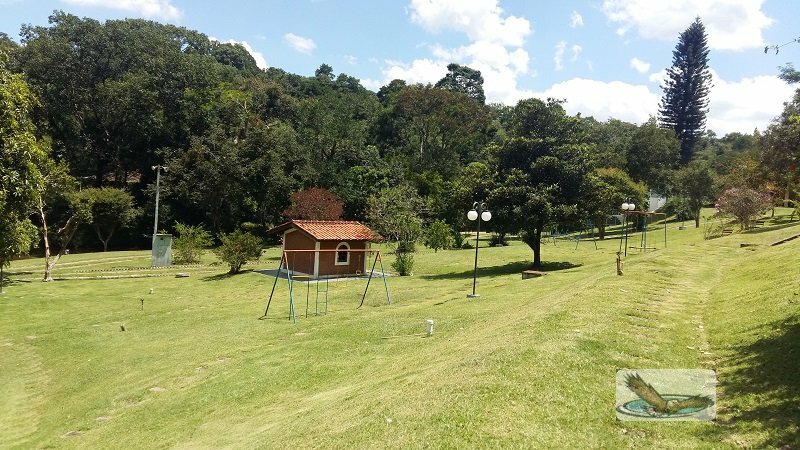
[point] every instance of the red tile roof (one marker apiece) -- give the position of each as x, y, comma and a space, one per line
331, 230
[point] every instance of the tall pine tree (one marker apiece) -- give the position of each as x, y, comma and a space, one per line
684, 105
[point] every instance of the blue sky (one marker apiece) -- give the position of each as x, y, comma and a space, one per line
605, 57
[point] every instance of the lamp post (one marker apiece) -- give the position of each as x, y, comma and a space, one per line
626, 207
158, 168
478, 210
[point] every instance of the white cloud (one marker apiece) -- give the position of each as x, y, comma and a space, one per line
300, 43
558, 56
730, 24
419, 71
350, 59
480, 20
161, 9
745, 104
639, 65
576, 52
632, 103
372, 85
495, 47
741, 106
658, 77
575, 20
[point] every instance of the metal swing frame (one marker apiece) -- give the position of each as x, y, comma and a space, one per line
284, 265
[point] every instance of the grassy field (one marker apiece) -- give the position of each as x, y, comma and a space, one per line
529, 364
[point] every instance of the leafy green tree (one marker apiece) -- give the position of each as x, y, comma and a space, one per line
544, 169
695, 182
780, 146
112, 208
438, 236
21, 153
16, 238
789, 74
324, 72
115, 92
237, 249
21, 158
59, 188
358, 183
653, 155
684, 105
234, 54
435, 129
393, 214
465, 80
207, 182
190, 243
611, 140
606, 190
474, 183
386, 93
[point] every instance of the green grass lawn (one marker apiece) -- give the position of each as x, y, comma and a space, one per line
529, 364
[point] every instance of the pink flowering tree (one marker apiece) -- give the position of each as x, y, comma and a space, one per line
744, 204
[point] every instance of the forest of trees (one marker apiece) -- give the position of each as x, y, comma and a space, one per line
98, 105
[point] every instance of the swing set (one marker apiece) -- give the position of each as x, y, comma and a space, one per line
288, 262
643, 217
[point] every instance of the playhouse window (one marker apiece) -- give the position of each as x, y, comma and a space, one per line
342, 255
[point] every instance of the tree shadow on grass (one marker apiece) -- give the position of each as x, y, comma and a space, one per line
767, 374
506, 269
769, 228
225, 276
7, 281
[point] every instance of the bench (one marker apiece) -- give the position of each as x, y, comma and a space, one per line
531, 274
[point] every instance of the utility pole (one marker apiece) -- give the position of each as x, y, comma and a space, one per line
158, 169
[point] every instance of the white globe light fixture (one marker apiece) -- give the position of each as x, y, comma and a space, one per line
478, 210
626, 207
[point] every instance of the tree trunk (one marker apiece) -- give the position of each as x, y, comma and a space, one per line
534, 241
66, 233
601, 229
537, 248
697, 220
103, 240
786, 194
48, 268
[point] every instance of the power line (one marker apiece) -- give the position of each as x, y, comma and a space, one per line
777, 48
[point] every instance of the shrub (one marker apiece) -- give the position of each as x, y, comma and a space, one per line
237, 249
439, 235
744, 204
497, 240
679, 207
458, 239
403, 263
190, 243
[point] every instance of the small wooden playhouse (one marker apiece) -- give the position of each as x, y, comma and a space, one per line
331, 240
